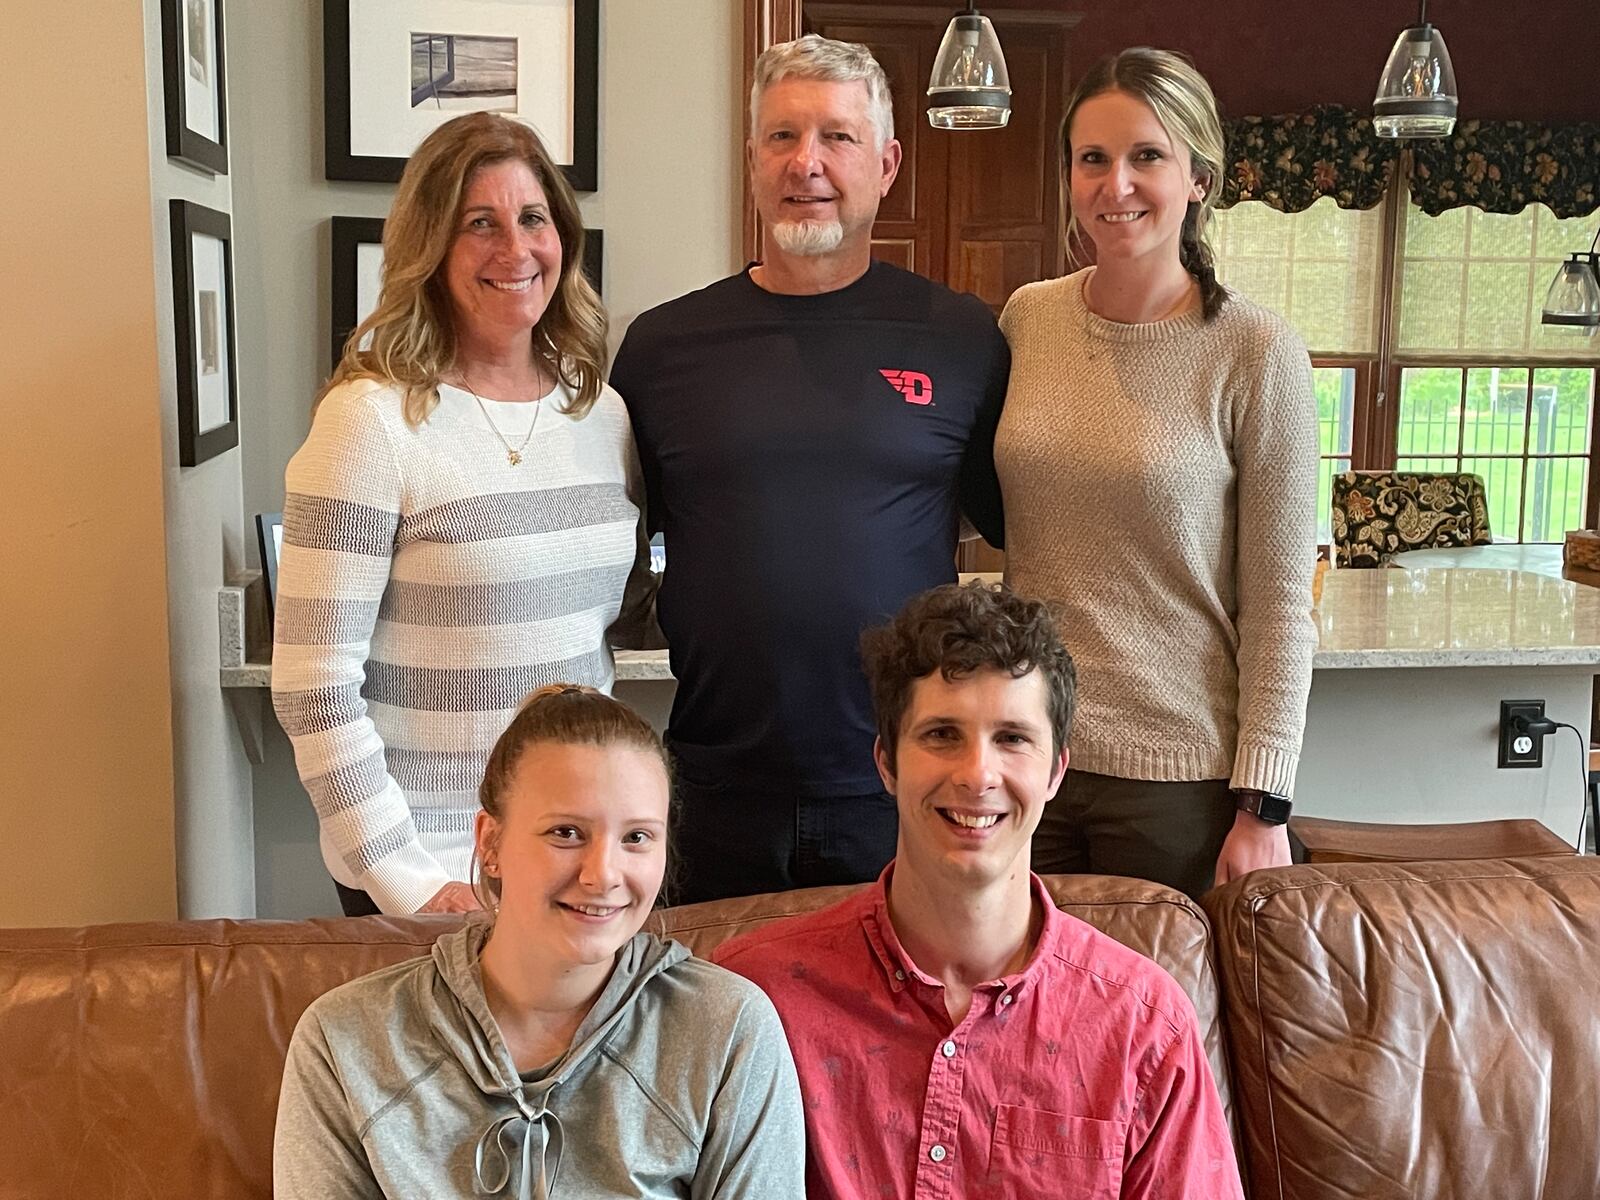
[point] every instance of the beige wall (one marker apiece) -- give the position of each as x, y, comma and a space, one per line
85, 715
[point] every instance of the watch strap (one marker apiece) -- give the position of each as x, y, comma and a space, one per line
1269, 806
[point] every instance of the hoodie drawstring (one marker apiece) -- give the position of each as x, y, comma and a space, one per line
492, 1141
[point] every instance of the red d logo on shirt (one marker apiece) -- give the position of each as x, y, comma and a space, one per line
916, 387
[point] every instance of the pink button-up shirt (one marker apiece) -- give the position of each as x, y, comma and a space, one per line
1082, 1075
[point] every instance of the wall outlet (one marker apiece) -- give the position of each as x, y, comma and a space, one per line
1520, 749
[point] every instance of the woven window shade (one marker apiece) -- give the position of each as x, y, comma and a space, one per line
1319, 268
1473, 283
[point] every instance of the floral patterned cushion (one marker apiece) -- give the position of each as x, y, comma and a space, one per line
1378, 514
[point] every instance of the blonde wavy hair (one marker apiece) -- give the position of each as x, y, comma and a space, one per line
414, 340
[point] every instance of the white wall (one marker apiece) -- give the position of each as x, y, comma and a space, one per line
668, 201
204, 539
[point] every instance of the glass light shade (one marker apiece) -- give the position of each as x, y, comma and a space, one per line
1574, 296
1417, 92
969, 87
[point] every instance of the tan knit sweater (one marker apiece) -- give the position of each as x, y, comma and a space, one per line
1160, 487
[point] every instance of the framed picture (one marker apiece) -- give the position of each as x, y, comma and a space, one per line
196, 98
269, 540
202, 318
358, 272
395, 70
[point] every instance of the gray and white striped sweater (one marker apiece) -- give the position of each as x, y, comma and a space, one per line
425, 586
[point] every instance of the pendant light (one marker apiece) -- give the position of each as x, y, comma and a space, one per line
1574, 297
1417, 91
969, 87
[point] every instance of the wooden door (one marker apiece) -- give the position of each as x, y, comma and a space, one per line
977, 210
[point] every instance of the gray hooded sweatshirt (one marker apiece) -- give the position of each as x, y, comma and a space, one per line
678, 1083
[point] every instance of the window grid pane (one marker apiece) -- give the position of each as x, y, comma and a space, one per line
1525, 432
1327, 468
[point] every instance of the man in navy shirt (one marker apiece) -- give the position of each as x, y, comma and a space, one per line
812, 430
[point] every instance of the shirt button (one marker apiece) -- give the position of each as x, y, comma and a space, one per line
1006, 999
937, 1154
900, 975
949, 1049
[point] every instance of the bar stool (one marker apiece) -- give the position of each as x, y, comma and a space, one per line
1324, 841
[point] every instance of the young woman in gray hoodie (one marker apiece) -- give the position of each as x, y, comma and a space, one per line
557, 1051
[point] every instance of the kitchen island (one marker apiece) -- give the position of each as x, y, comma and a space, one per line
1410, 668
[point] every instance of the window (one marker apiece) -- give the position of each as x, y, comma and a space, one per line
1464, 378
1525, 431
1320, 269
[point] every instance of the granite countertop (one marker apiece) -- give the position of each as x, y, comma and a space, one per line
1455, 617
1417, 617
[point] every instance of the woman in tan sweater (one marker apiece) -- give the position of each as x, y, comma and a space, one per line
1158, 456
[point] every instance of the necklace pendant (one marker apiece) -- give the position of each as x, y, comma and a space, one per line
514, 457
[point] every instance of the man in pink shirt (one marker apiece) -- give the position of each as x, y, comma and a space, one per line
957, 1035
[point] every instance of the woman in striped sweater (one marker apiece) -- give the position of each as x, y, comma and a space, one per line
461, 525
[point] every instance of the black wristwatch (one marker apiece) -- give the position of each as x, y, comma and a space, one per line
1270, 807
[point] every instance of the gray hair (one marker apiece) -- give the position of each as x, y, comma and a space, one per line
815, 57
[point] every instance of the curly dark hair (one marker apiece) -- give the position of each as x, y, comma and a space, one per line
957, 630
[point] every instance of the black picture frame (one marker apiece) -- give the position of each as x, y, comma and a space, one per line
583, 172
269, 528
195, 445
349, 234
183, 142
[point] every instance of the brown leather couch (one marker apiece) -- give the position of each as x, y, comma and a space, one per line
1428, 1031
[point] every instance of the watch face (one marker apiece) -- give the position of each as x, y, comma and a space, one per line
1273, 808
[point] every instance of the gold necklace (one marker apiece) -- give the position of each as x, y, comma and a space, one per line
513, 453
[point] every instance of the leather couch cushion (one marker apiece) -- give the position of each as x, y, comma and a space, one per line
1429, 1030
142, 1061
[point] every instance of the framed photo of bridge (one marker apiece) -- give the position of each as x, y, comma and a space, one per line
395, 70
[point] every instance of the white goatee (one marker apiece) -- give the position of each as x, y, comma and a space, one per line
808, 238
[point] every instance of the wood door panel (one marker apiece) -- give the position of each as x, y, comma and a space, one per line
898, 252
992, 270
915, 208
1008, 175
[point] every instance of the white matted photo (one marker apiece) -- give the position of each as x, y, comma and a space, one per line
196, 93
211, 345
395, 70
203, 332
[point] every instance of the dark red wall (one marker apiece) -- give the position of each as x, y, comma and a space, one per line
1535, 60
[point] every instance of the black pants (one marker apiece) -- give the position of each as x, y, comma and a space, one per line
729, 840
1169, 832
355, 902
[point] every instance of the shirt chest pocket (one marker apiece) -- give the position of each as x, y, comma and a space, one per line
1052, 1154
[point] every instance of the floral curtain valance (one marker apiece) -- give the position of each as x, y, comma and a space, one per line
1504, 166
1292, 161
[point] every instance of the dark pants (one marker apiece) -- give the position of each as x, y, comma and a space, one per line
1169, 832
355, 902
729, 840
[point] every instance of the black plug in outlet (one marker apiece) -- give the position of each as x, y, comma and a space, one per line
1517, 748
